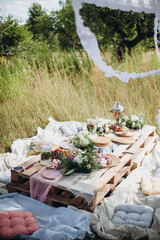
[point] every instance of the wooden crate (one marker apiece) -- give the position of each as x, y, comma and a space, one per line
130, 159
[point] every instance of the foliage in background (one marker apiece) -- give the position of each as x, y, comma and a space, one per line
11, 34
31, 93
49, 73
115, 30
39, 22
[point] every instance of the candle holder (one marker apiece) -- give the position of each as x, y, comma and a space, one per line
117, 110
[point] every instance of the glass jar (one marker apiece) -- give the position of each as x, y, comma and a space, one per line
46, 154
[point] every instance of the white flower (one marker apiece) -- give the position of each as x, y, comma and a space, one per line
78, 159
101, 130
126, 118
103, 161
134, 118
133, 124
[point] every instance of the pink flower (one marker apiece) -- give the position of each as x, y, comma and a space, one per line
97, 160
55, 164
71, 157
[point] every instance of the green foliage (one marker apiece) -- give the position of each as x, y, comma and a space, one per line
63, 22
118, 29
115, 30
39, 22
30, 94
11, 34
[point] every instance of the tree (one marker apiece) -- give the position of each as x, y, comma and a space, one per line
11, 34
121, 30
117, 28
39, 22
63, 22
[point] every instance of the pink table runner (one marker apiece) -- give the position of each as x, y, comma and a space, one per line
41, 182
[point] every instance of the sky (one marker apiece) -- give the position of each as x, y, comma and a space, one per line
19, 8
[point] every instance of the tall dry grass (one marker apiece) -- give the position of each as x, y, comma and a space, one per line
70, 87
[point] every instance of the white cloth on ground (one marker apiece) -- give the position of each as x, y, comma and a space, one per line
128, 191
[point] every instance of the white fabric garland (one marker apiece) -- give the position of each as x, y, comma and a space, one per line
89, 41
156, 32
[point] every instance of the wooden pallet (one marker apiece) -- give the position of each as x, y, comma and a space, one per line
112, 177
143, 146
130, 159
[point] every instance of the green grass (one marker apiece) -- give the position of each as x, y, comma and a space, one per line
67, 86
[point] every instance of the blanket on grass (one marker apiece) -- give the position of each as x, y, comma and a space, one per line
55, 223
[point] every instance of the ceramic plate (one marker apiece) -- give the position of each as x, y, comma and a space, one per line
125, 134
50, 173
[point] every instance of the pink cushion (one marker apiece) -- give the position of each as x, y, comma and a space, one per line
13, 223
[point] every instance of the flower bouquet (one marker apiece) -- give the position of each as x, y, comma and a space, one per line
82, 140
99, 126
84, 162
134, 121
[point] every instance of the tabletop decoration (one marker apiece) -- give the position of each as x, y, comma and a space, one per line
117, 110
45, 154
98, 126
84, 162
83, 141
134, 121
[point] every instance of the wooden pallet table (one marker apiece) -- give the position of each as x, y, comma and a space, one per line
130, 158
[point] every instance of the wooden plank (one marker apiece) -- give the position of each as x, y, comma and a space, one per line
126, 160
14, 187
120, 149
139, 143
121, 173
76, 200
100, 194
32, 170
138, 158
30, 162
111, 173
149, 128
62, 198
146, 150
14, 176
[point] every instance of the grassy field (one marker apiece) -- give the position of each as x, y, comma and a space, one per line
67, 86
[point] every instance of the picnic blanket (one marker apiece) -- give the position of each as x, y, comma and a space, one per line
55, 223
